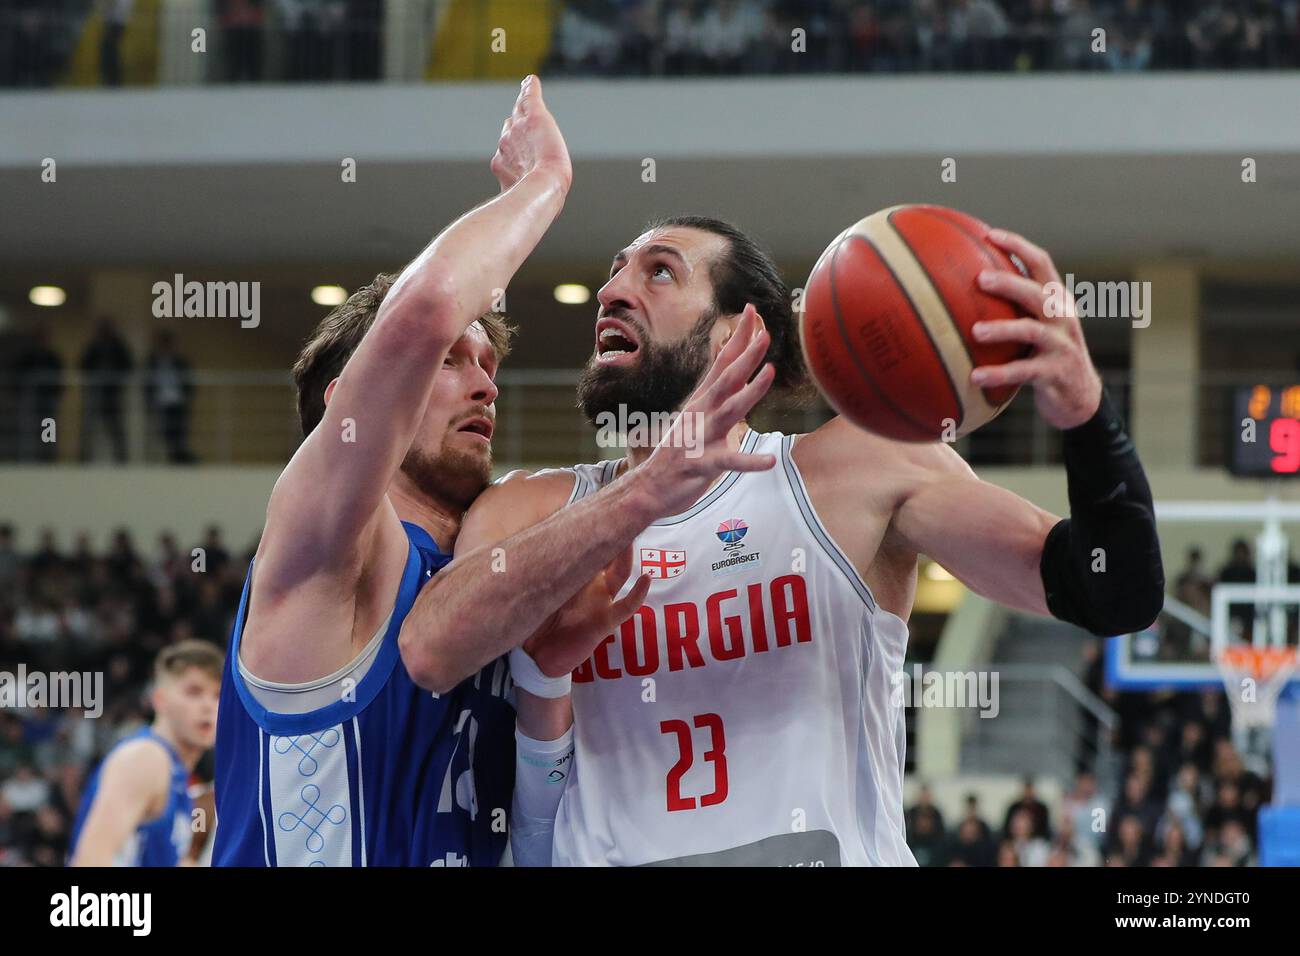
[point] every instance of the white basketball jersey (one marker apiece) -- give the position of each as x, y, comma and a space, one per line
743, 715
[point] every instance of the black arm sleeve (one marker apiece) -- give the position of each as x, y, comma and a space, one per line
1101, 567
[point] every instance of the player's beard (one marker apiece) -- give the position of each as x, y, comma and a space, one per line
661, 380
451, 476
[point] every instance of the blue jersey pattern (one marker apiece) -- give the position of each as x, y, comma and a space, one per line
160, 842
390, 775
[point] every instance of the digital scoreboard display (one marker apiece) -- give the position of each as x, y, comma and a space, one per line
1273, 411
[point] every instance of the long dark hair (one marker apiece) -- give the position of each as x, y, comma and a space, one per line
746, 273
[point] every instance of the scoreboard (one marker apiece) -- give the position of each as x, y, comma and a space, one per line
1270, 414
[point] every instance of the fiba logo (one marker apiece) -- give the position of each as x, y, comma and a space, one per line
736, 558
731, 531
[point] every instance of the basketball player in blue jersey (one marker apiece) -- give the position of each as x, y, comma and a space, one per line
136, 809
335, 745
743, 714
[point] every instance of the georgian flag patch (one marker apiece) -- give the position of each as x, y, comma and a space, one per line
659, 563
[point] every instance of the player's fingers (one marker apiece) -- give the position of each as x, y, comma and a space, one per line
628, 604
1029, 294
1035, 258
1010, 373
738, 406
530, 95
1030, 331
737, 372
740, 337
718, 413
739, 461
618, 571
535, 97
747, 327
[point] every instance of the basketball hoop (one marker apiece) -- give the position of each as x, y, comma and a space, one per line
1269, 668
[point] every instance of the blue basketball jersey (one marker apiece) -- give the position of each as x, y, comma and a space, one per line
388, 775
163, 840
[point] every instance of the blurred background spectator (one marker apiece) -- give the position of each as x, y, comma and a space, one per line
242, 24
314, 40
168, 390
106, 365
1185, 797
82, 610
754, 36
116, 15
38, 376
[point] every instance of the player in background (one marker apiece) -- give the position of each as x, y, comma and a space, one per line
744, 714
136, 808
328, 753
203, 796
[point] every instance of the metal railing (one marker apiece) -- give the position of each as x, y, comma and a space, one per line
249, 417
1057, 725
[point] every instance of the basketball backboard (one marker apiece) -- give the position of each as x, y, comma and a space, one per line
1181, 650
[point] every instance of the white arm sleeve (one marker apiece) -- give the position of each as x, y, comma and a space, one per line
542, 769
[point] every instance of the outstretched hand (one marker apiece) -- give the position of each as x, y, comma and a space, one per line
1067, 389
583, 621
694, 451
531, 140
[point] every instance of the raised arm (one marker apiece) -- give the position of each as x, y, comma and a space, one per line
330, 493
1100, 568
477, 609
989, 538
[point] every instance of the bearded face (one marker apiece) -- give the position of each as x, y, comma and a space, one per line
660, 379
451, 475
450, 457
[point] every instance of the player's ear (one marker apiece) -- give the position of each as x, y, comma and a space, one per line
721, 333
329, 389
155, 695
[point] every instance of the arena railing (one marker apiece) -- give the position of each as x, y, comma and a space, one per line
1069, 727
250, 417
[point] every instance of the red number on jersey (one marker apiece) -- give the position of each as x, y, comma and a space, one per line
716, 756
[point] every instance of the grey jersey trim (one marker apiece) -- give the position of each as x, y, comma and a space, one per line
581, 488
747, 446
585, 485
819, 532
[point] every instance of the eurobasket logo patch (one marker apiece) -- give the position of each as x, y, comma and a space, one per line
735, 555
732, 530
659, 563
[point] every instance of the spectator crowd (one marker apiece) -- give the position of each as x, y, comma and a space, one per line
674, 37
1193, 587
316, 40
83, 610
1182, 796
310, 40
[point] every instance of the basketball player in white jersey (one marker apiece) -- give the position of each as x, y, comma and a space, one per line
742, 714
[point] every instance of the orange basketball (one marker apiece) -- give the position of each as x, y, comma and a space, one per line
886, 321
